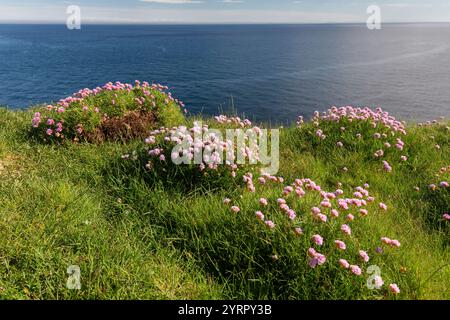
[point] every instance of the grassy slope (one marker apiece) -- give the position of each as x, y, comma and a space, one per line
75, 206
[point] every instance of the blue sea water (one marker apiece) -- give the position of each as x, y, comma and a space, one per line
268, 72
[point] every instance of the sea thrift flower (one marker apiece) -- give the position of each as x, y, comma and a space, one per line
344, 264
313, 262
317, 239
322, 217
49, 132
326, 204
355, 270
446, 216
346, 229
444, 184
378, 282
263, 201
281, 201
386, 166
383, 206
259, 215
235, 209
403, 158
270, 224
395, 243
340, 244
394, 288
315, 210
298, 231
339, 144
364, 256
350, 217
334, 213
226, 201
312, 252
363, 212
291, 214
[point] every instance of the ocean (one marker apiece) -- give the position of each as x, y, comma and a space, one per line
269, 73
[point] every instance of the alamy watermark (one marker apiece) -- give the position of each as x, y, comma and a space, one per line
74, 279
374, 19
73, 21
211, 147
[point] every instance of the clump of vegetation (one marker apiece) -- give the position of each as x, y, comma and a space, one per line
113, 112
359, 198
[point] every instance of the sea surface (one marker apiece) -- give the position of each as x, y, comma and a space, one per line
267, 72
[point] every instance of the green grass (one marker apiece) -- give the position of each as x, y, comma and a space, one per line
137, 237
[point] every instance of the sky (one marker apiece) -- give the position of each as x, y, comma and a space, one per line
223, 11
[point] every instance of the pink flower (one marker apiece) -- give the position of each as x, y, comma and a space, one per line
226, 201
395, 243
394, 288
270, 224
346, 229
311, 252
378, 282
343, 204
350, 217
322, 217
281, 201
326, 204
263, 202
355, 270
317, 239
340, 244
403, 158
298, 231
446, 216
386, 166
313, 262
363, 212
383, 206
364, 256
162, 157
259, 215
50, 122
315, 210
344, 264
334, 213
49, 132
291, 214
235, 209
262, 180
321, 258
444, 184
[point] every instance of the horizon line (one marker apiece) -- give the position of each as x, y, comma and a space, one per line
212, 23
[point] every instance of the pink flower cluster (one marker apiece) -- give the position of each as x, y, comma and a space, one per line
223, 119
376, 117
205, 148
390, 242
54, 120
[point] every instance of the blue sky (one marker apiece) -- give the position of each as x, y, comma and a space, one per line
224, 11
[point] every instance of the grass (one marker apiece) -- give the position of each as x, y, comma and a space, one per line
137, 237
